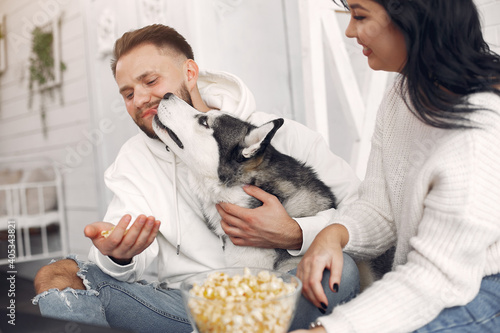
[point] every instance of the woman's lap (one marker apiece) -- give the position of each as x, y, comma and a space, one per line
482, 314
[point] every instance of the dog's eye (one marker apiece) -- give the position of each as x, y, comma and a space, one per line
203, 121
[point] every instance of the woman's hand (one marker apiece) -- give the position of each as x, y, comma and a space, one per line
267, 226
122, 244
324, 253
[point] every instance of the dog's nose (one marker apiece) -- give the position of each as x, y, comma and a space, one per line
168, 95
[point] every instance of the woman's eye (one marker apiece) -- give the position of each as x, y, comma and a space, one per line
203, 121
358, 18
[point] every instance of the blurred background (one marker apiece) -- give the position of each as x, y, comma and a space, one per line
62, 120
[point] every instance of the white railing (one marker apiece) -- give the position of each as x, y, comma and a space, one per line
321, 34
24, 207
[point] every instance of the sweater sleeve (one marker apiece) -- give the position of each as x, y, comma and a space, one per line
126, 200
454, 245
369, 220
309, 147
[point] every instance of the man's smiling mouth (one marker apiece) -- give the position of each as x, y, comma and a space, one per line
149, 112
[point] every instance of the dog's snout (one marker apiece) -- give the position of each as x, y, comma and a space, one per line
168, 95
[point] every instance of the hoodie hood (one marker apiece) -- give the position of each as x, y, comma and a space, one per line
226, 92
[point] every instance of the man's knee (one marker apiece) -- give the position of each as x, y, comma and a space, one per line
59, 275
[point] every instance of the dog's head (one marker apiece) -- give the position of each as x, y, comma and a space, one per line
214, 143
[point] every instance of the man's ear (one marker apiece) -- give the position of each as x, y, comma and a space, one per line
257, 140
191, 72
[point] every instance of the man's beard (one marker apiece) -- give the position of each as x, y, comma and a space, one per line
182, 93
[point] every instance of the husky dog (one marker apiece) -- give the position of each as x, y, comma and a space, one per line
223, 153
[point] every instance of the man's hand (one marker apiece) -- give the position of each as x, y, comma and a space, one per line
315, 330
120, 245
267, 226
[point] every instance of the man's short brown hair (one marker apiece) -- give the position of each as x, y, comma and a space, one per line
159, 35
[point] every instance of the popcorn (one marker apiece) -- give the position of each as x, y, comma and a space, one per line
242, 303
106, 233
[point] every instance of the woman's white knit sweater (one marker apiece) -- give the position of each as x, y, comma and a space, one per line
435, 194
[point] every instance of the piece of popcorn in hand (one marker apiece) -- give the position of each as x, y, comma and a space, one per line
106, 233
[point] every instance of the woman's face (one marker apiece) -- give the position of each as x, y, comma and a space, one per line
383, 43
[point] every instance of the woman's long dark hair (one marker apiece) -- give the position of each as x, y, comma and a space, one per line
445, 49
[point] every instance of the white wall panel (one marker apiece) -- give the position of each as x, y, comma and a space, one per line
67, 114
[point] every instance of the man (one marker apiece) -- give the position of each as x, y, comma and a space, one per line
150, 185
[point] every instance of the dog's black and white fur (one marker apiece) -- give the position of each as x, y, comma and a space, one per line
223, 153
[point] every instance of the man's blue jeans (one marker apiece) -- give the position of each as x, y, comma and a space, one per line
143, 307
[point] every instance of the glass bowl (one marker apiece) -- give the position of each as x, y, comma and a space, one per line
241, 300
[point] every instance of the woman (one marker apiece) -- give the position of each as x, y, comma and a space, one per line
432, 187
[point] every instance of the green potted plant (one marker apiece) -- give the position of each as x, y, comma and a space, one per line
42, 69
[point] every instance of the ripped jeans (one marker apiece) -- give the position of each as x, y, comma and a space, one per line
143, 307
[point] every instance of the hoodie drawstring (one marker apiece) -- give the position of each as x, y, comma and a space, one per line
178, 224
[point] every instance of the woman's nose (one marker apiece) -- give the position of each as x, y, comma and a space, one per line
350, 31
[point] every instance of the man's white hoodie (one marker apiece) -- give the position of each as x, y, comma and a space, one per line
147, 179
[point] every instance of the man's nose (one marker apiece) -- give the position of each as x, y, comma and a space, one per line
141, 97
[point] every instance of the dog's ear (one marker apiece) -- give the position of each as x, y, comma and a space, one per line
257, 140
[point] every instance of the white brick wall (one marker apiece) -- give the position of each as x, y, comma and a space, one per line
490, 19
68, 116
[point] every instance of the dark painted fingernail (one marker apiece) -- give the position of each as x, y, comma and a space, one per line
321, 310
336, 287
323, 305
